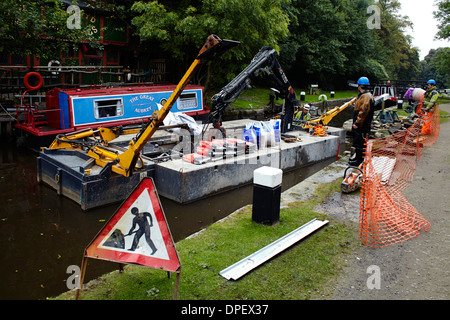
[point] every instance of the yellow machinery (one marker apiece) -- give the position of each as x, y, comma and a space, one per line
326, 117
124, 162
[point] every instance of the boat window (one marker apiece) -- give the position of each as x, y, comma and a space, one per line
187, 101
108, 108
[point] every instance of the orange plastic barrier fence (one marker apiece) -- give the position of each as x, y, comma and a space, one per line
386, 217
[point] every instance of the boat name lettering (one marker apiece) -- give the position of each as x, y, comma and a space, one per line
143, 110
142, 97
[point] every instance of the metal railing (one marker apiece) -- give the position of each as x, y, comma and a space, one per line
29, 115
12, 77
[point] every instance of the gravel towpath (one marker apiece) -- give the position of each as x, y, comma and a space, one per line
417, 269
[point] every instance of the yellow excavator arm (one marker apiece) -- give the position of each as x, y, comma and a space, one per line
124, 163
326, 117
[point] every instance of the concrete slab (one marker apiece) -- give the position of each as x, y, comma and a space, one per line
184, 182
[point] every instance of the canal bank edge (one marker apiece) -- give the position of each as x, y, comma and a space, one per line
303, 192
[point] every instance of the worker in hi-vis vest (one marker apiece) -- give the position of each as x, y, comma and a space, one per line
431, 96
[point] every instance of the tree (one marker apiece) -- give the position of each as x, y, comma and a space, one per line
443, 16
330, 42
37, 27
442, 65
442, 59
317, 41
434, 67
396, 52
180, 27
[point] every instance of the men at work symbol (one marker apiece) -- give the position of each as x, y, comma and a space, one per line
141, 221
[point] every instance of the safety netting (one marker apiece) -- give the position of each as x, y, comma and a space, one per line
386, 217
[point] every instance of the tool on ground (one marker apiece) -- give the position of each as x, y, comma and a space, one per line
290, 138
352, 179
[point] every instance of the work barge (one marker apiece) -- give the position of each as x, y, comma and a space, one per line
74, 175
187, 161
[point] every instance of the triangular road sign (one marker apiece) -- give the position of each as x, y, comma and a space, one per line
137, 233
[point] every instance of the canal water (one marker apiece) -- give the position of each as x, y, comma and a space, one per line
42, 234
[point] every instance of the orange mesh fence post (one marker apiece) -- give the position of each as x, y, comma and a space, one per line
426, 127
431, 127
386, 217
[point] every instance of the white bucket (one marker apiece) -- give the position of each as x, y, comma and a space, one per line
417, 94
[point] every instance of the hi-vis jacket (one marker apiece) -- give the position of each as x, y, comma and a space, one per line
303, 116
430, 100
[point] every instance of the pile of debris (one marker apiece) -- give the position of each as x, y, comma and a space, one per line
386, 123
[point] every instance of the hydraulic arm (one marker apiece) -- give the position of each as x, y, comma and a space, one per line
265, 61
125, 162
326, 117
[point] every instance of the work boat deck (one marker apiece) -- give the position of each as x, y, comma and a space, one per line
72, 174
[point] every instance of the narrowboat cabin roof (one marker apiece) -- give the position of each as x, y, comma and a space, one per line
68, 110
97, 91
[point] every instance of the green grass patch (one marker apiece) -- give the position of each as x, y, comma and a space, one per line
254, 98
444, 116
443, 100
301, 272
258, 98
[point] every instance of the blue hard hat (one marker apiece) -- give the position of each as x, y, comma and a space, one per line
364, 81
431, 81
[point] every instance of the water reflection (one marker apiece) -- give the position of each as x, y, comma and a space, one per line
42, 233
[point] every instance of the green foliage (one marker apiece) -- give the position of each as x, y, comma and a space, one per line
436, 65
37, 27
339, 46
326, 42
395, 51
441, 63
181, 27
304, 271
443, 15
319, 40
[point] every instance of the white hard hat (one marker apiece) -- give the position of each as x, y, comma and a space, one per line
307, 107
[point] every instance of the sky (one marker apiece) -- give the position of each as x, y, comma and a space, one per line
420, 12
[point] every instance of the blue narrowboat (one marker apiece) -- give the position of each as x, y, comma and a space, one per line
68, 110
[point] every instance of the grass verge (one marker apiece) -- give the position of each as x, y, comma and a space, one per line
302, 272
258, 98
443, 116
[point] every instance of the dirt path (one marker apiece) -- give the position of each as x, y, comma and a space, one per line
417, 269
